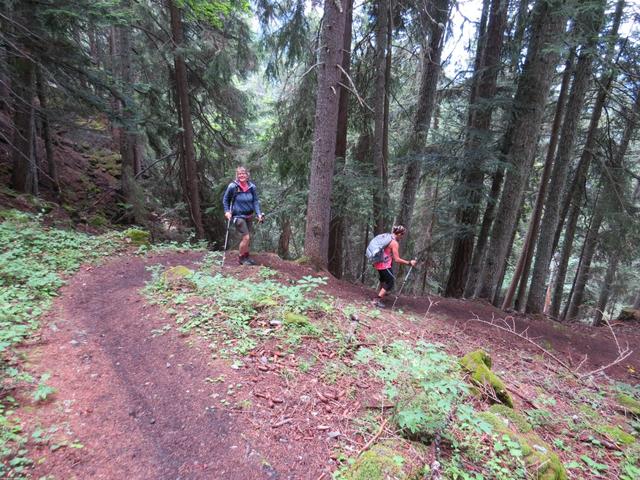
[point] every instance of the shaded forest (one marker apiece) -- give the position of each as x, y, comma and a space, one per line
502, 133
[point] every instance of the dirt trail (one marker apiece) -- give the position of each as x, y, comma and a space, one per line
138, 402
142, 401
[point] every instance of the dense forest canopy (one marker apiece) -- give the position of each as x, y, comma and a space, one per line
502, 133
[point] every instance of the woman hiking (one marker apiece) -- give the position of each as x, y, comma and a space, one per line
240, 202
384, 267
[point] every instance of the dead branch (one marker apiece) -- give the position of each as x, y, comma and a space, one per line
374, 438
510, 328
353, 88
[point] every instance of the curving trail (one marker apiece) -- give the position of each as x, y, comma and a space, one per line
138, 402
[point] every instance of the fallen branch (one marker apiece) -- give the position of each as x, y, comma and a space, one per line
511, 328
374, 438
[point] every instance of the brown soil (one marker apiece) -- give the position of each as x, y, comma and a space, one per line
145, 402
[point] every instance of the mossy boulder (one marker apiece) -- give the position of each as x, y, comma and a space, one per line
478, 365
615, 434
178, 277
541, 461
629, 404
381, 462
137, 237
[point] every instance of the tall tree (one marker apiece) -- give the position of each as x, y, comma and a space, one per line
379, 98
434, 22
336, 230
611, 200
518, 147
316, 238
521, 272
589, 24
469, 193
24, 176
574, 196
191, 190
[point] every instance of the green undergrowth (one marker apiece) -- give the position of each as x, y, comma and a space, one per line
34, 261
433, 394
235, 315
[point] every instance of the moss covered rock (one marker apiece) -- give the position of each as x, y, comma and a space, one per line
516, 420
178, 277
380, 462
541, 461
135, 236
629, 404
616, 434
478, 365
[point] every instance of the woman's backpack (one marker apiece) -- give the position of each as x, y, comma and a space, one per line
375, 249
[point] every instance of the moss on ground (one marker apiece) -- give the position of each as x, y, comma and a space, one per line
478, 364
629, 404
135, 236
616, 434
178, 277
541, 461
380, 462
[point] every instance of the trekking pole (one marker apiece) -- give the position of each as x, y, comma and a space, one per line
406, 277
226, 240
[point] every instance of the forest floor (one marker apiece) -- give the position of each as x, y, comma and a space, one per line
139, 398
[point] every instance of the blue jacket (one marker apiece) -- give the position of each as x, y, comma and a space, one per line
244, 204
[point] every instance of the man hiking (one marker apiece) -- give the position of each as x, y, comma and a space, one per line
385, 272
240, 202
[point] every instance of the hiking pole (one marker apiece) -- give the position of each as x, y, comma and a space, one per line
226, 240
406, 277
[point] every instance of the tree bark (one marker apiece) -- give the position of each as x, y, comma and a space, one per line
24, 176
521, 272
483, 236
52, 167
378, 105
431, 59
285, 238
192, 192
336, 228
605, 291
478, 134
590, 27
520, 139
573, 198
316, 241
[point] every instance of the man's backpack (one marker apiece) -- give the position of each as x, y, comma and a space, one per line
375, 249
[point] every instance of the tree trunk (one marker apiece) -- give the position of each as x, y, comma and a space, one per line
590, 27
605, 291
336, 228
127, 137
521, 272
316, 240
24, 176
431, 59
520, 139
582, 275
52, 167
285, 238
478, 134
378, 105
192, 193
483, 236
636, 302
573, 198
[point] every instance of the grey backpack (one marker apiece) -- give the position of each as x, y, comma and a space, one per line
375, 249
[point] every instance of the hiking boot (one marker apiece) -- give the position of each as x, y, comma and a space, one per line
246, 261
377, 302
